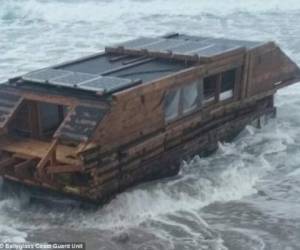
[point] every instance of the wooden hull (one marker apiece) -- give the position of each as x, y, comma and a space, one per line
93, 127
116, 175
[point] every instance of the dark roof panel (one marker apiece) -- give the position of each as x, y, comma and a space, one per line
163, 45
213, 50
185, 45
44, 75
151, 70
107, 84
74, 79
78, 80
139, 42
126, 64
190, 46
96, 65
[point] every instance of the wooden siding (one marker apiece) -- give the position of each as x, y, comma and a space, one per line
269, 67
158, 157
139, 111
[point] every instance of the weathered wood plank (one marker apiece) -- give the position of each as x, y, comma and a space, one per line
50, 156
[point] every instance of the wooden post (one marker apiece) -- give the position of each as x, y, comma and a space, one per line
218, 87
49, 157
34, 121
237, 84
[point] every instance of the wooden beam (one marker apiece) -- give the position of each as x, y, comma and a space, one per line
6, 162
49, 157
34, 121
237, 84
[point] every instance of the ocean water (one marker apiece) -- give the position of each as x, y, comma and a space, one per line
246, 196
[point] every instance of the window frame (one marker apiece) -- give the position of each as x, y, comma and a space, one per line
234, 83
181, 113
216, 90
200, 90
198, 105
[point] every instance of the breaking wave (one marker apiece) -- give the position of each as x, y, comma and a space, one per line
228, 175
87, 11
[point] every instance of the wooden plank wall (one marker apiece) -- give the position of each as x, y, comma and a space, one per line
138, 111
269, 66
154, 159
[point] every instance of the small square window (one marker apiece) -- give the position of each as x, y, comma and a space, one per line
210, 88
227, 84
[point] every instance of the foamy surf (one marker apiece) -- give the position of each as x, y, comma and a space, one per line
228, 175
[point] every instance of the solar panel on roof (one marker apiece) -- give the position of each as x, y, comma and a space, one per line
45, 75
190, 47
84, 81
163, 44
214, 50
106, 84
139, 42
74, 79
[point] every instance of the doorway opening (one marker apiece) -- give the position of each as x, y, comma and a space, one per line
38, 120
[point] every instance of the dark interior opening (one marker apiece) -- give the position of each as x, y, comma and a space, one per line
210, 88
51, 116
38, 120
228, 79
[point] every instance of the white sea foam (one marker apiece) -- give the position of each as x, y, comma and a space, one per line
231, 174
89, 11
10, 229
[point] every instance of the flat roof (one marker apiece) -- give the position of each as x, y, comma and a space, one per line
185, 45
130, 63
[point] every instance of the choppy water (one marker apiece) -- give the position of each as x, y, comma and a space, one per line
244, 197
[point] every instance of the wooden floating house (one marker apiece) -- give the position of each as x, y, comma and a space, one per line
100, 124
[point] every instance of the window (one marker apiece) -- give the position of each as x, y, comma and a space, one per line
182, 100
172, 101
189, 97
210, 88
38, 119
49, 115
227, 84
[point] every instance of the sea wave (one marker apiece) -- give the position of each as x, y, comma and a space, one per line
86, 11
